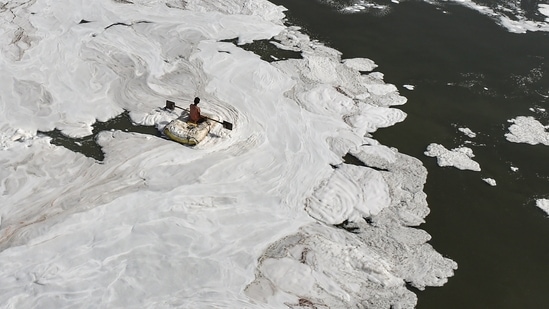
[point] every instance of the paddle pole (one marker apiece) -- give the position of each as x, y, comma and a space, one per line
171, 106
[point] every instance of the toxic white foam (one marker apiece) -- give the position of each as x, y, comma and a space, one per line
543, 204
527, 130
458, 157
352, 193
544, 9
468, 132
519, 24
490, 181
244, 220
360, 64
361, 5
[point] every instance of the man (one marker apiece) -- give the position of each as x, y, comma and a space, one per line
195, 116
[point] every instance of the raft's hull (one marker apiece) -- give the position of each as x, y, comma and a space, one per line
187, 133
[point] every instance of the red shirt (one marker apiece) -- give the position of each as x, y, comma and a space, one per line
195, 113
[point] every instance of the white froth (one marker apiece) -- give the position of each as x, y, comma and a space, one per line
458, 157
360, 64
544, 9
409, 87
543, 204
527, 130
490, 181
350, 194
373, 117
361, 5
518, 24
372, 149
158, 224
512, 17
468, 132
368, 252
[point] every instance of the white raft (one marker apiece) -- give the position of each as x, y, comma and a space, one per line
188, 133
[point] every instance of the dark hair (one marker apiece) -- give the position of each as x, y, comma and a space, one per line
196, 100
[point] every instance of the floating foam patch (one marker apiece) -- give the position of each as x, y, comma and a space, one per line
527, 130
543, 204
468, 132
458, 157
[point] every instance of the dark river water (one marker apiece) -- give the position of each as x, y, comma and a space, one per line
468, 72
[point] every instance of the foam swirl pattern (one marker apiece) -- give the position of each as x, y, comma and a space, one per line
160, 225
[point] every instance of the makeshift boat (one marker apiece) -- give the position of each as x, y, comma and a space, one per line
188, 133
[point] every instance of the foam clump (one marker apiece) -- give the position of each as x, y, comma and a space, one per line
360, 64
490, 181
527, 130
468, 132
544, 9
458, 157
375, 154
543, 204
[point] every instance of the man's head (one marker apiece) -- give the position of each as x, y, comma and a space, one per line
196, 100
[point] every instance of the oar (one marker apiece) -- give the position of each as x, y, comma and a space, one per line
171, 106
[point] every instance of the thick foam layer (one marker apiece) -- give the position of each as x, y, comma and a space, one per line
352, 193
159, 224
360, 64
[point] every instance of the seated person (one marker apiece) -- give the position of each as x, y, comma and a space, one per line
195, 116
